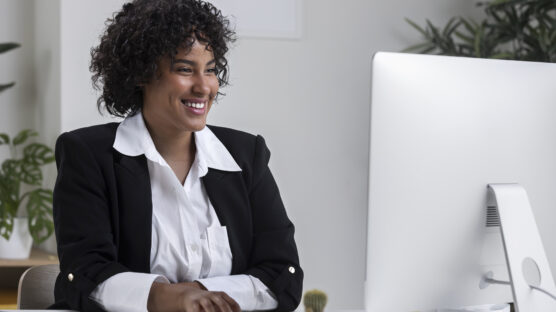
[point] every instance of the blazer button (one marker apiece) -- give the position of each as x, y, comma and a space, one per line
70, 277
291, 269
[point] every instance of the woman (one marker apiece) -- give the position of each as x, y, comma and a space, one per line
162, 212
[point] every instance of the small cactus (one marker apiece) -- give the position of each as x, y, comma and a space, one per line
314, 300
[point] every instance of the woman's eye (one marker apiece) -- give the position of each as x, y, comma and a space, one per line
212, 70
184, 70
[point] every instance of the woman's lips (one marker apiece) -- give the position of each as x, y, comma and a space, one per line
195, 107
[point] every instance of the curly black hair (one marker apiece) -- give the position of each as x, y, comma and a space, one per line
143, 32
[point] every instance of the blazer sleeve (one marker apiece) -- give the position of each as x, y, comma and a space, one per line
83, 225
274, 258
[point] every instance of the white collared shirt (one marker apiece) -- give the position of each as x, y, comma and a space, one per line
188, 242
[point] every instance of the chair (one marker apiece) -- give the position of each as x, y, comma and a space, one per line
36, 287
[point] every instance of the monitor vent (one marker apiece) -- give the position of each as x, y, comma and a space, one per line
492, 219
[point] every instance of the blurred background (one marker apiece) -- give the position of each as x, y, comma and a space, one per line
302, 81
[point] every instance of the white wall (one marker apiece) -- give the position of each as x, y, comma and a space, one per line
308, 97
47, 82
47, 61
17, 104
82, 23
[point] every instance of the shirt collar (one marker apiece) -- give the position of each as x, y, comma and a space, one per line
133, 139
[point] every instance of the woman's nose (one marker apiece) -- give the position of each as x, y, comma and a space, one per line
200, 84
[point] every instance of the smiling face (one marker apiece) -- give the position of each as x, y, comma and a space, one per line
178, 99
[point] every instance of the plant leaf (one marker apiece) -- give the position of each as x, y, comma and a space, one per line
498, 2
38, 154
6, 86
9, 190
427, 50
504, 56
418, 47
469, 25
6, 223
452, 25
417, 27
478, 41
31, 174
512, 29
4, 139
39, 212
463, 37
8, 207
23, 135
433, 29
5, 47
12, 168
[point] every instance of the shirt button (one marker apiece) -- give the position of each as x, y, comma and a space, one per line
291, 269
194, 248
70, 277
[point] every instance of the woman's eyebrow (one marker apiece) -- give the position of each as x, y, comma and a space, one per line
192, 63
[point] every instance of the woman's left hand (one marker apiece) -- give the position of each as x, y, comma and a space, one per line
189, 297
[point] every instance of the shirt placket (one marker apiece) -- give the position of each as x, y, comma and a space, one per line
189, 231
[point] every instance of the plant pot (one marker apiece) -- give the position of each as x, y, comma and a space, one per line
20, 242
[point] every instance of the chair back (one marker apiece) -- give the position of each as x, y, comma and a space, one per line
36, 287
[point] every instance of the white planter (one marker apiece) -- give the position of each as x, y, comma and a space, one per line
20, 242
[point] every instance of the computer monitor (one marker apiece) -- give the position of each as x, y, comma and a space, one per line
442, 129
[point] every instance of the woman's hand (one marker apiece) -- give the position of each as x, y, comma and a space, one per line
195, 299
189, 297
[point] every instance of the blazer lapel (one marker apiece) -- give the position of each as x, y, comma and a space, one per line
227, 195
135, 212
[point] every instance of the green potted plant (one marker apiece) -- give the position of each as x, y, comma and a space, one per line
315, 300
512, 29
20, 187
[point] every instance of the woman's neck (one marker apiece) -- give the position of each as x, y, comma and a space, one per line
175, 148
173, 145
178, 150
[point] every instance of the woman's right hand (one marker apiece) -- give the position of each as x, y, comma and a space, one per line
188, 297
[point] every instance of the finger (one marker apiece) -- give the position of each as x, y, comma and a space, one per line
221, 304
193, 307
199, 285
233, 304
206, 305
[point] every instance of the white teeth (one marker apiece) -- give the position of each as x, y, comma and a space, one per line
195, 105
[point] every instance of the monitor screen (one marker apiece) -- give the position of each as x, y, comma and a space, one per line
442, 129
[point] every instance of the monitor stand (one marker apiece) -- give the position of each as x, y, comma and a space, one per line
532, 283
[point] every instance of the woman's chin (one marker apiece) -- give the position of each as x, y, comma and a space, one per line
197, 127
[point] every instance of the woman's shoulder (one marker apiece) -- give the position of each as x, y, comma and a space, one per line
243, 146
95, 137
230, 136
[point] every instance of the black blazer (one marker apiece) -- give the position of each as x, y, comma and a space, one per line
103, 215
